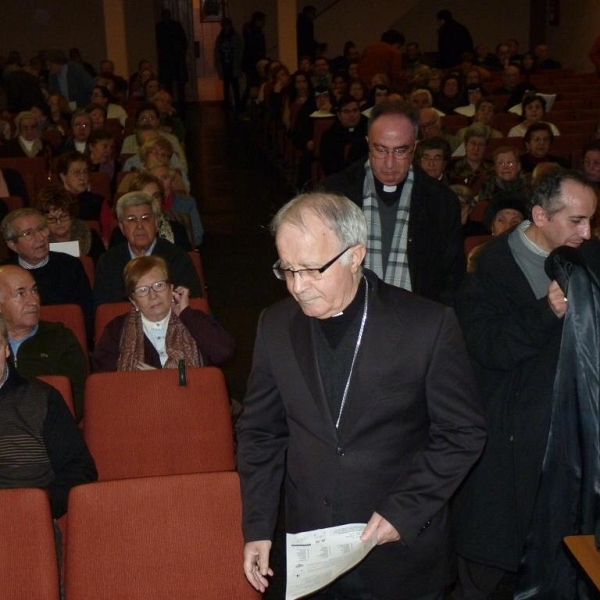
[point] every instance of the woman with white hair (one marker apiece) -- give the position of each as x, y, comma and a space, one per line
28, 142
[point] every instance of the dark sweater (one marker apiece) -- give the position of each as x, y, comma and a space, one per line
41, 445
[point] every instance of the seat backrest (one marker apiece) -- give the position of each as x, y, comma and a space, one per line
63, 384
196, 259
105, 313
69, 314
154, 426
28, 563
100, 184
157, 537
89, 267
33, 170
13, 202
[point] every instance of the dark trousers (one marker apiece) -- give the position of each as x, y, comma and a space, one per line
476, 581
229, 81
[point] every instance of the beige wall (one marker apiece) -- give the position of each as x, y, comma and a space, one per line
31, 26
27, 27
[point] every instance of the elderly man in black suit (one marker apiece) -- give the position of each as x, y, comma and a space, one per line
139, 217
414, 232
361, 401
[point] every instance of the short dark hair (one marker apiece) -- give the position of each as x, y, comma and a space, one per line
593, 146
444, 15
541, 126
64, 161
546, 193
393, 36
530, 99
395, 107
144, 106
434, 143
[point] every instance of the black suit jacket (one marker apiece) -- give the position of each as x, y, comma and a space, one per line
436, 259
411, 428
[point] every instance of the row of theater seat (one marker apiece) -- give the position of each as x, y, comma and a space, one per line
164, 520
141, 539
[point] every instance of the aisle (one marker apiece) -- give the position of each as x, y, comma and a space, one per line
237, 194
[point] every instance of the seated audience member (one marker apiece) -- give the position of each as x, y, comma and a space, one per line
43, 113
170, 122
138, 89
349, 54
538, 140
433, 81
276, 96
101, 146
591, 163
97, 114
513, 87
177, 204
450, 97
542, 58
41, 447
147, 116
137, 79
339, 85
28, 142
528, 65
430, 124
534, 108
138, 217
483, 57
300, 93
151, 86
413, 57
155, 148
507, 176
358, 91
168, 227
13, 184
60, 210
433, 155
107, 71
81, 129
323, 104
345, 141
542, 170
353, 74
474, 95
39, 347
322, 74
421, 98
73, 168
377, 94
473, 169
505, 211
61, 112
162, 328
467, 204
60, 278
484, 113
101, 95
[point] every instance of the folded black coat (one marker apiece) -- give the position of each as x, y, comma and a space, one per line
568, 495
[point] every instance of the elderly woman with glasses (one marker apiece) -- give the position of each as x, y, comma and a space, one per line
61, 210
161, 329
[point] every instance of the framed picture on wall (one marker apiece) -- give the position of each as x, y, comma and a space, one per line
211, 10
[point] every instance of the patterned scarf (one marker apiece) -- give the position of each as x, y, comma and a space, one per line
179, 344
396, 271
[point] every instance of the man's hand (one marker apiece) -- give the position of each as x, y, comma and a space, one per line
383, 530
557, 300
256, 564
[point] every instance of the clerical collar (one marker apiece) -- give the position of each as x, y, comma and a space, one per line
352, 309
389, 194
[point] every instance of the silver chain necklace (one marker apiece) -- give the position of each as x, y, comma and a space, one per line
358, 341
